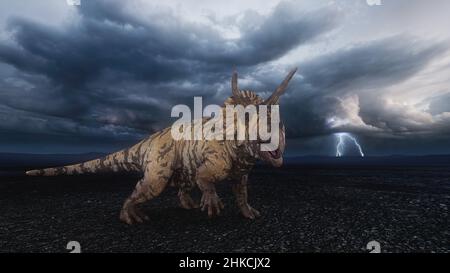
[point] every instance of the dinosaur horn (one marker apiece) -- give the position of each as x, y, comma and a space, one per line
274, 98
235, 89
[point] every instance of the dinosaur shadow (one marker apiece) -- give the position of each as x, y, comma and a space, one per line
179, 220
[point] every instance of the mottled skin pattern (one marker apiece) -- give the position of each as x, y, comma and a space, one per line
185, 164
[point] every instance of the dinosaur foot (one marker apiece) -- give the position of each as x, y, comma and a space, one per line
186, 201
131, 214
249, 212
212, 203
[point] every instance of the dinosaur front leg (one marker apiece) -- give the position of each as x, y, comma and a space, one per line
240, 192
211, 201
210, 172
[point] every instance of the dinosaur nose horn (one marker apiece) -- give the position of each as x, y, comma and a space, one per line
275, 97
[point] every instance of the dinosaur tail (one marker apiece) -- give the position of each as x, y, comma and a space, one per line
116, 162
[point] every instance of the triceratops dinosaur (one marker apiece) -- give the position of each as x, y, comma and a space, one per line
186, 163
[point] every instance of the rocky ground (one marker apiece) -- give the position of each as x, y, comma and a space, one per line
304, 209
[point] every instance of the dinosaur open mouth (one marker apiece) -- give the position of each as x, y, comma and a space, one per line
275, 154
274, 157
271, 154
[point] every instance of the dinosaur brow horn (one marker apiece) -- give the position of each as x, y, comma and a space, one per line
235, 89
273, 99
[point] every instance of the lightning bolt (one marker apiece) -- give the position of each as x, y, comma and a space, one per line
341, 137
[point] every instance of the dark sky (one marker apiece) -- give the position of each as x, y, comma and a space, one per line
101, 76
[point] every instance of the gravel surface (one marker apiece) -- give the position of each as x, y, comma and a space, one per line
304, 209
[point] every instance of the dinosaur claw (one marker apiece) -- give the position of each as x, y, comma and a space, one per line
249, 212
130, 214
186, 201
212, 203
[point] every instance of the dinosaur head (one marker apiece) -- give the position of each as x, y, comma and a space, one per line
244, 97
274, 158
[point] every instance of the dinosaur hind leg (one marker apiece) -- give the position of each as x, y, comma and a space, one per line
240, 191
145, 190
186, 200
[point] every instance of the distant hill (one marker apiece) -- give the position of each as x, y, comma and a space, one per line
12, 161
20, 162
393, 160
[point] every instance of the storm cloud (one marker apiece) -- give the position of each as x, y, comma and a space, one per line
109, 74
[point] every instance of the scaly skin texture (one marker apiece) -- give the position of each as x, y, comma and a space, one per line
185, 164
